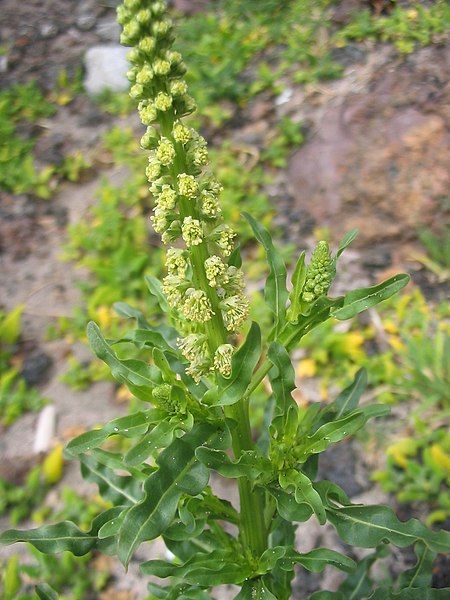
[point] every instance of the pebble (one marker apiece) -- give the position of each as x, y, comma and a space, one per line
106, 68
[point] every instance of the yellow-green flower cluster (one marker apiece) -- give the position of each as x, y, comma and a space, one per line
320, 273
201, 286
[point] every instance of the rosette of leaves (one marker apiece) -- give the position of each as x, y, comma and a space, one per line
197, 386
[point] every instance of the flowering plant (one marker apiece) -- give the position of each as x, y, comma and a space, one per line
199, 385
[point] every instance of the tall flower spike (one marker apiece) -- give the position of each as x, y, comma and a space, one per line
200, 285
319, 274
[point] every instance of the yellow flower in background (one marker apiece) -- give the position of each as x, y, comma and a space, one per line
52, 467
440, 458
351, 344
402, 449
396, 343
390, 326
307, 367
104, 316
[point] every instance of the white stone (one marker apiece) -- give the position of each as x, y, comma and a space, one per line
106, 68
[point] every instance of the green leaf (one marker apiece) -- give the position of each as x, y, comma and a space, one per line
276, 293
250, 463
364, 298
10, 325
159, 437
288, 507
420, 575
282, 380
335, 431
255, 589
155, 287
243, 364
317, 560
303, 491
206, 570
178, 473
139, 377
130, 426
45, 592
368, 526
170, 334
358, 584
117, 489
348, 399
146, 337
348, 238
298, 281
60, 537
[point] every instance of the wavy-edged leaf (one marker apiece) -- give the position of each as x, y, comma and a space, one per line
138, 376
276, 293
419, 576
118, 489
364, 298
169, 333
45, 592
288, 507
335, 431
159, 437
243, 364
178, 473
358, 584
255, 589
217, 568
303, 491
116, 460
112, 527
368, 526
60, 537
348, 238
282, 380
316, 560
155, 288
250, 463
129, 426
348, 399
295, 297
146, 338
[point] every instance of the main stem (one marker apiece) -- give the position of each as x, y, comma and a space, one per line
252, 527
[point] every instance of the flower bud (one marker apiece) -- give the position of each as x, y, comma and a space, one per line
320, 273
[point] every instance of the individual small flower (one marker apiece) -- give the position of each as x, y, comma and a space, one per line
161, 28
147, 112
235, 311
196, 306
133, 56
223, 236
147, 44
132, 4
222, 359
153, 170
200, 153
159, 220
149, 139
210, 205
176, 262
163, 102
161, 67
199, 368
158, 8
235, 283
165, 152
144, 16
130, 32
215, 270
192, 232
178, 87
166, 197
136, 91
194, 347
144, 75
187, 185
320, 273
181, 133
173, 288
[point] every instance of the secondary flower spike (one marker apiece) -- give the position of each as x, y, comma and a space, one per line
201, 287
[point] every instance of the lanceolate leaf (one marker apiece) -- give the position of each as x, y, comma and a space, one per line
276, 293
45, 592
298, 281
368, 526
317, 560
250, 463
282, 378
118, 489
155, 287
178, 473
348, 238
170, 334
362, 299
159, 437
139, 377
255, 589
303, 492
348, 399
130, 426
147, 337
420, 575
60, 537
243, 364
